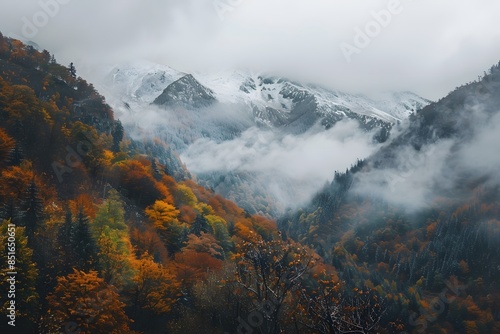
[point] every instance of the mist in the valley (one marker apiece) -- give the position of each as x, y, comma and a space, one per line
289, 168
442, 167
223, 140
180, 127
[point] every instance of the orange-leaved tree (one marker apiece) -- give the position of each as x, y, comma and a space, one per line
84, 301
155, 287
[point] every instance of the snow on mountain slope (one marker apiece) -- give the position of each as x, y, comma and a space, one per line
140, 81
274, 101
281, 94
185, 92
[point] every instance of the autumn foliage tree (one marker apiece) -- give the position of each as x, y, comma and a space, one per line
155, 289
164, 218
146, 240
270, 271
85, 302
134, 178
200, 255
162, 214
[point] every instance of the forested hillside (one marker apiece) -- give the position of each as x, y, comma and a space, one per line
419, 220
108, 241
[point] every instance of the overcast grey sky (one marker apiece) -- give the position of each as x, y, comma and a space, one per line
425, 46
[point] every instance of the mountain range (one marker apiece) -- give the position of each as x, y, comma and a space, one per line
185, 110
267, 100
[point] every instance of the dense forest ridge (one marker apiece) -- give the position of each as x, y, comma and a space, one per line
416, 253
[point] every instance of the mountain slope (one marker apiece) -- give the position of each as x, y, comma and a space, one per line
422, 214
185, 92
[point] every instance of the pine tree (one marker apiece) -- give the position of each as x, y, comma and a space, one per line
72, 70
83, 243
156, 171
66, 230
117, 134
16, 156
10, 211
200, 224
66, 252
32, 210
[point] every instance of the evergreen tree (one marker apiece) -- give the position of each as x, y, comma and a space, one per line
117, 134
66, 252
167, 170
83, 243
156, 171
10, 211
16, 155
66, 230
72, 70
32, 210
200, 224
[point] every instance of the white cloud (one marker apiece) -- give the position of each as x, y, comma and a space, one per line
291, 168
448, 167
430, 47
412, 184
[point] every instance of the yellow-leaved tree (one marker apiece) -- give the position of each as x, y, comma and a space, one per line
164, 218
85, 303
161, 214
153, 294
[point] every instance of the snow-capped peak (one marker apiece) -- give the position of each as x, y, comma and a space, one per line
141, 80
273, 101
